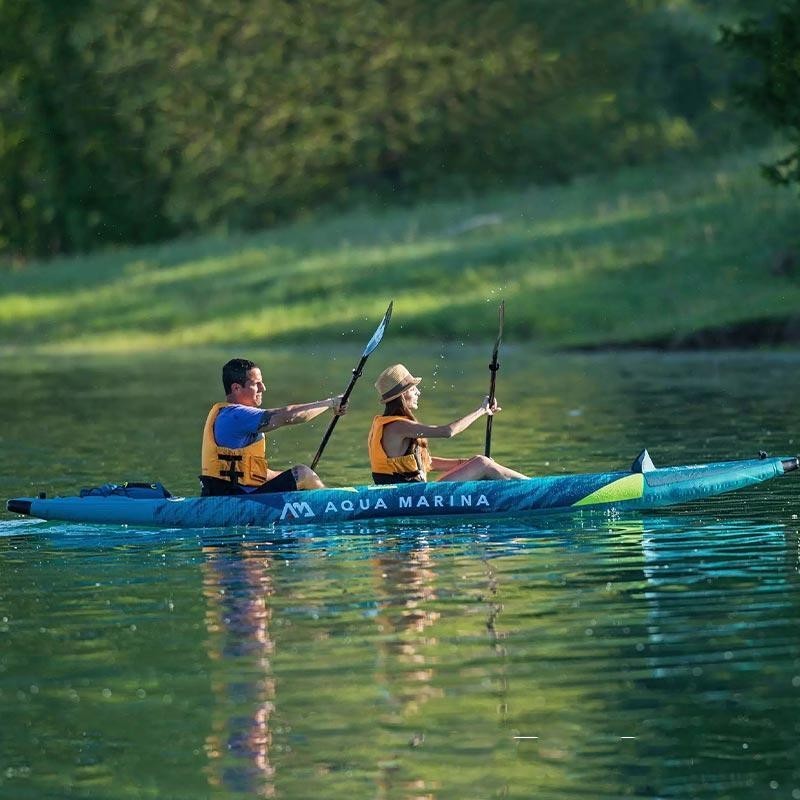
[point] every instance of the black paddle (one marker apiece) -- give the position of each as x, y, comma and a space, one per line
371, 345
493, 367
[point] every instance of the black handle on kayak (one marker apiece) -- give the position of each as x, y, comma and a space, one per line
791, 464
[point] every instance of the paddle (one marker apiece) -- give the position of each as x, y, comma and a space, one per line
493, 367
371, 345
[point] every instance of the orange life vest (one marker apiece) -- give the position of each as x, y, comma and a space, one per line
246, 465
413, 466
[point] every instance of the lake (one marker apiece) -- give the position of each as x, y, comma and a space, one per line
651, 655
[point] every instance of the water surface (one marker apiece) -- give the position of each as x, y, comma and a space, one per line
649, 655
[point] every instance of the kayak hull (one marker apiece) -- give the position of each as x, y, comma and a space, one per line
655, 488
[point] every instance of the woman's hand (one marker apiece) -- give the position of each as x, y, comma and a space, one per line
490, 408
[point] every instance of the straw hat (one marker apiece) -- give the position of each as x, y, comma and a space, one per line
393, 381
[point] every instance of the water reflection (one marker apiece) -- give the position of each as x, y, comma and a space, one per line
722, 656
237, 585
405, 586
650, 656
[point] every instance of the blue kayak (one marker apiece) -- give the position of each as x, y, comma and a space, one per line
643, 486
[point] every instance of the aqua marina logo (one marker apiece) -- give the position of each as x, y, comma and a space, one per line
297, 510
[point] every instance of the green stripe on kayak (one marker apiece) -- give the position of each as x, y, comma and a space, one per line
630, 487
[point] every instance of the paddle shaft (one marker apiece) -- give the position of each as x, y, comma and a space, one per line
487, 450
493, 367
332, 424
371, 345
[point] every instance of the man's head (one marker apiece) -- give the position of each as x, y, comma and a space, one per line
242, 382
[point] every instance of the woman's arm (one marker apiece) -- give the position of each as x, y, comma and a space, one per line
395, 433
299, 412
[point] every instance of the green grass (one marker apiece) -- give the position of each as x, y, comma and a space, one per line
629, 257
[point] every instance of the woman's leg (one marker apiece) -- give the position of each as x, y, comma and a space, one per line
480, 468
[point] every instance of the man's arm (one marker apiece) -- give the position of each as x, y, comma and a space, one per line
298, 412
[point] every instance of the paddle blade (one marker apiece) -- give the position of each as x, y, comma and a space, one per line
378, 335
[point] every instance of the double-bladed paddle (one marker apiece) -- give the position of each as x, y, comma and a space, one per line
493, 367
371, 345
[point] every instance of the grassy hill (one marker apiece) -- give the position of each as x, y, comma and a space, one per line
648, 256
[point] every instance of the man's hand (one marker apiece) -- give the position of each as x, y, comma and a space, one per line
336, 404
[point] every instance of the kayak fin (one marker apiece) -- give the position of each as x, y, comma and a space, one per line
643, 462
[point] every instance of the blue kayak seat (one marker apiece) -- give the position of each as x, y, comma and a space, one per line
643, 462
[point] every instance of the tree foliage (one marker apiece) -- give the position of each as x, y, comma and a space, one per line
772, 42
71, 172
139, 119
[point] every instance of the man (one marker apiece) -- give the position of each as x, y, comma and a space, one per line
234, 459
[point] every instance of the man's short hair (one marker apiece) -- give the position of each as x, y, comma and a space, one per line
235, 371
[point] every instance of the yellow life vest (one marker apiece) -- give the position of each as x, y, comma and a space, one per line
413, 466
246, 465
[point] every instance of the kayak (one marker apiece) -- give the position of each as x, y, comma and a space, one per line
643, 486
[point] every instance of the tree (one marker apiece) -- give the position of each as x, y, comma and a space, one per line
135, 120
772, 42
74, 177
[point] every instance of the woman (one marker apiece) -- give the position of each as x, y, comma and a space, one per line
398, 446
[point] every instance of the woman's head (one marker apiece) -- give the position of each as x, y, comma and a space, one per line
394, 381
397, 388
404, 405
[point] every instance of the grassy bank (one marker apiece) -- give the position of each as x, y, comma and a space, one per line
645, 255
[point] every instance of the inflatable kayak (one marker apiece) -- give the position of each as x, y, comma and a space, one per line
643, 486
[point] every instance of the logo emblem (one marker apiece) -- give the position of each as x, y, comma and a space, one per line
296, 510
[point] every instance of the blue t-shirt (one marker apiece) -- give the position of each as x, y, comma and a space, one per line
237, 426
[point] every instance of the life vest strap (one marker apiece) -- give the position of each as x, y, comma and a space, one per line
231, 473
